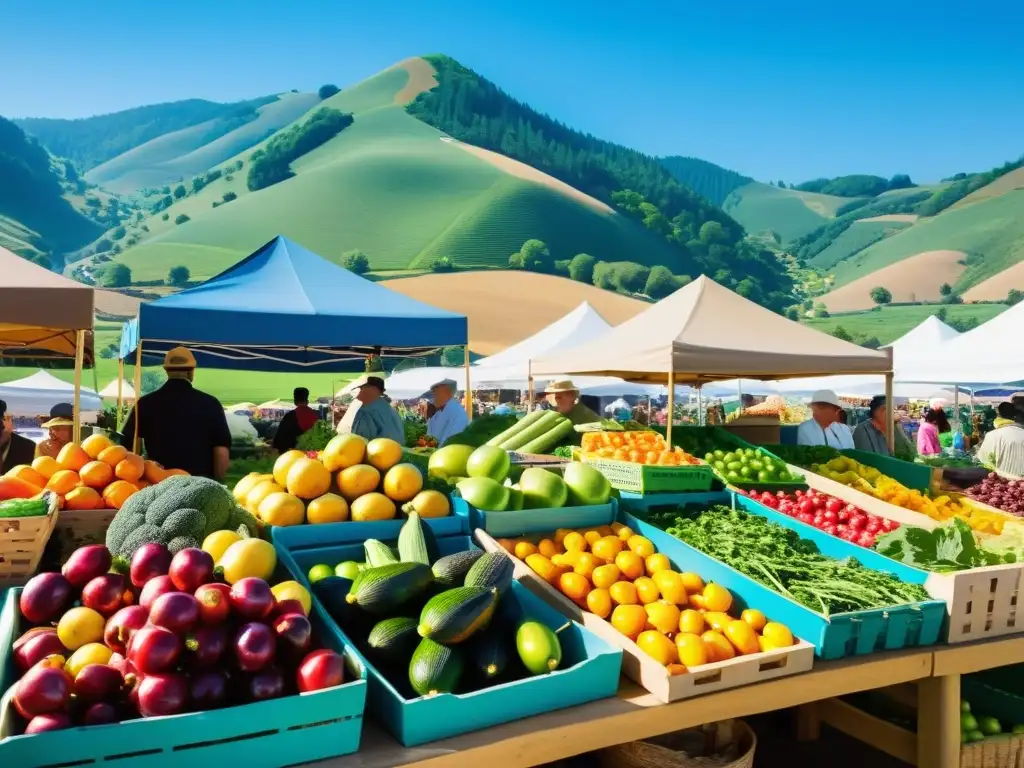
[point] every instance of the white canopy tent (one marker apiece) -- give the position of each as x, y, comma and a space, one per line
110, 391
35, 395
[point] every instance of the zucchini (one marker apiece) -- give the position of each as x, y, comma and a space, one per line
523, 423
451, 571
536, 429
24, 508
378, 553
489, 654
332, 592
493, 570
435, 668
382, 590
549, 439
416, 542
395, 639
454, 616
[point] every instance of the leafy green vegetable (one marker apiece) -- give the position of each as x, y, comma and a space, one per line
316, 437
563, 452
604, 425
950, 547
778, 558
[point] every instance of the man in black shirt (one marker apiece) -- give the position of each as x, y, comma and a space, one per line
14, 448
182, 427
295, 422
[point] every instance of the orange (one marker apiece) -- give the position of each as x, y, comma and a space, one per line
691, 622
401, 483
658, 647
574, 586
94, 445
605, 575
692, 582
63, 481
344, 451
117, 493
624, 533
717, 598
97, 474
173, 472
692, 649
675, 669
544, 568
719, 649
72, 457
355, 481
283, 463
742, 637
586, 564
154, 473
45, 466
777, 635
646, 590
663, 617
754, 618
508, 545
599, 602
641, 545
258, 493
383, 453
29, 475
83, 498
606, 548
657, 562
329, 508
524, 549
670, 584
130, 468
623, 593
282, 509
308, 478
548, 548
113, 455
631, 564
717, 620
630, 620
574, 541
567, 559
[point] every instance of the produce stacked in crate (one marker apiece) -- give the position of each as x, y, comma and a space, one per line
999, 492
537, 432
641, 447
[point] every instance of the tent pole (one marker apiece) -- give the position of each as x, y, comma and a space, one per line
700, 406
890, 410
469, 392
120, 393
79, 361
671, 407
138, 394
739, 392
529, 402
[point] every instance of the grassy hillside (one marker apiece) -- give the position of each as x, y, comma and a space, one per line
854, 239
787, 212
712, 182
187, 152
889, 323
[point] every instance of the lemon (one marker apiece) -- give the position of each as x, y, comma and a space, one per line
292, 590
248, 557
90, 653
217, 543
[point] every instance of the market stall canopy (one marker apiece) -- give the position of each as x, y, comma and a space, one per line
285, 307
705, 332
35, 395
110, 391
40, 312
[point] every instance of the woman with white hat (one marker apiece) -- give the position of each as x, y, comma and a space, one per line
824, 427
563, 396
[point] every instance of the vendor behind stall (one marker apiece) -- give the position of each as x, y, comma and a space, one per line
870, 435
61, 425
449, 417
824, 427
375, 416
563, 396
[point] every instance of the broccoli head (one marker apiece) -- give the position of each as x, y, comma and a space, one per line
179, 512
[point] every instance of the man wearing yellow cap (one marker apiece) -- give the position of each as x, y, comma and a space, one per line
182, 428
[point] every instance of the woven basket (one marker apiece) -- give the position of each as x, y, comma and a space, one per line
665, 751
81, 527
1001, 752
22, 541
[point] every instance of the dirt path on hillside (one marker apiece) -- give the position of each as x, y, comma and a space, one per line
910, 218
997, 286
422, 77
916, 278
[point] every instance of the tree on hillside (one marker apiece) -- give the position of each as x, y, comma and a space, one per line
165, 217
271, 163
534, 256
328, 90
1014, 297
180, 192
152, 380
119, 233
228, 197
841, 333
631, 277
881, 295
356, 261
942, 314
792, 313
945, 289
116, 276
181, 218
178, 276
581, 267
901, 181
604, 275
660, 282
781, 184
442, 264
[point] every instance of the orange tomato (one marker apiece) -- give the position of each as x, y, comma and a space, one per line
548, 548
599, 602
717, 597
117, 493
72, 457
691, 622
692, 582
574, 541
658, 647
718, 648
63, 481
646, 590
692, 649
586, 564
742, 637
524, 549
754, 618
604, 576
97, 474
641, 546
657, 562
607, 547
83, 497
130, 468
630, 620
46, 466
623, 593
662, 616
113, 455
630, 564
670, 584
574, 586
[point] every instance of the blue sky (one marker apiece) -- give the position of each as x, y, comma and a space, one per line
790, 89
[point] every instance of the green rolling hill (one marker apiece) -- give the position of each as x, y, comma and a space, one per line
789, 213
855, 239
712, 182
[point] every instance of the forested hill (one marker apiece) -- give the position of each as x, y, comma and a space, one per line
710, 181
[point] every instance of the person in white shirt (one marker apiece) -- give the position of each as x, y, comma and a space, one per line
449, 417
1003, 450
824, 427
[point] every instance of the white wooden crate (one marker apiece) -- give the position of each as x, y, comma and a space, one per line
648, 673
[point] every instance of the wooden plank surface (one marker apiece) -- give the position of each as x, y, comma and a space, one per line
962, 659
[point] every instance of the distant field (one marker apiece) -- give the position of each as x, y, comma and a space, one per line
1006, 183
889, 323
918, 278
998, 286
855, 238
791, 213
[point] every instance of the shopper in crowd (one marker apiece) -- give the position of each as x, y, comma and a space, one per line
933, 424
375, 417
563, 397
61, 426
824, 426
1003, 448
449, 417
870, 435
295, 422
15, 449
180, 426
1006, 414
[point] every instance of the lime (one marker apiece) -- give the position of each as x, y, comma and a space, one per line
319, 571
989, 726
965, 706
968, 722
1018, 728
709, 457
763, 476
347, 570
972, 736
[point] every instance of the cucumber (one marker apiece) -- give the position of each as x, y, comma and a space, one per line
538, 428
435, 668
24, 508
394, 640
332, 592
378, 553
489, 654
523, 423
382, 590
416, 542
549, 439
455, 615
451, 571
493, 570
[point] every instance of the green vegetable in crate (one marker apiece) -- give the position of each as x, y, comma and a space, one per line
805, 455
449, 462
394, 640
559, 432
455, 615
949, 547
387, 588
747, 465
586, 485
484, 493
316, 437
489, 652
378, 553
488, 461
548, 420
25, 507
543, 489
416, 542
493, 570
435, 668
450, 571
538, 647
514, 429
481, 430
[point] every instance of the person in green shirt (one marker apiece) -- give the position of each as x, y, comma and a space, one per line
870, 435
563, 396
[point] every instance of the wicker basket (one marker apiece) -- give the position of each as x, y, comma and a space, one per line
22, 541
81, 527
665, 751
1001, 752
653, 478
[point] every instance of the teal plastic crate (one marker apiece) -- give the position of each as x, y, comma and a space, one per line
589, 671
515, 522
662, 502
915, 476
834, 637
285, 731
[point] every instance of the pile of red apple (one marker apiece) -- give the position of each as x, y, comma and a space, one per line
830, 514
161, 640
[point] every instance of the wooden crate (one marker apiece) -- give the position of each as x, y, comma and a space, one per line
645, 671
80, 527
22, 541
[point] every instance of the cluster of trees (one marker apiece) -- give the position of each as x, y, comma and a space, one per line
227, 197
179, 276
271, 164
114, 275
963, 186
710, 181
861, 339
856, 185
356, 261
327, 90
961, 324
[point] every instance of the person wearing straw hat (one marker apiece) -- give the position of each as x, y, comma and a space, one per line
182, 428
61, 425
449, 417
563, 396
824, 427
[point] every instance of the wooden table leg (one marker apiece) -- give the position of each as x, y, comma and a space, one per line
938, 722
808, 722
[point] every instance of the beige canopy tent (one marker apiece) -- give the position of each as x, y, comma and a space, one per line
44, 316
119, 390
704, 332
